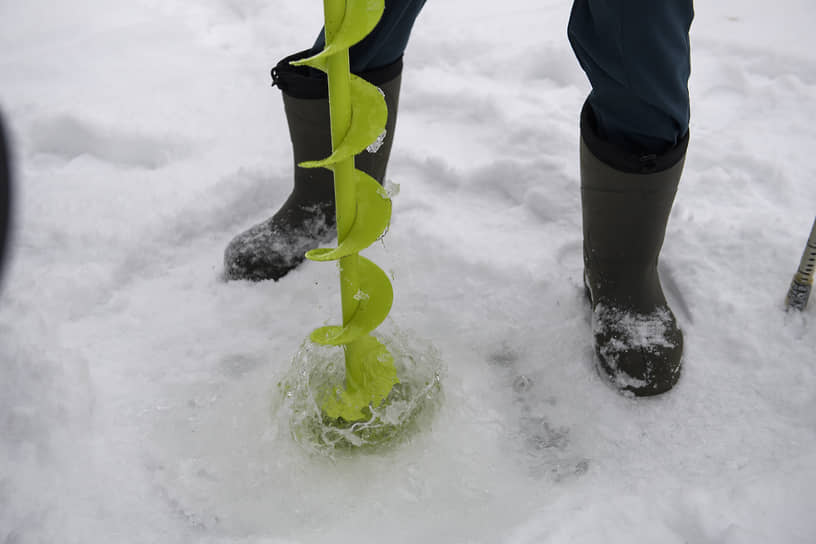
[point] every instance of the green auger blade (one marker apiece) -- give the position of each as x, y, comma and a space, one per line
370, 376
373, 215
375, 298
368, 117
359, 20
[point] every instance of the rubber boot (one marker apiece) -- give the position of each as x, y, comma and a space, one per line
269, 250
626, 199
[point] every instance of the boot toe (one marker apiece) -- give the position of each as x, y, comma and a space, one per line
639, 353
248, 265
264, 252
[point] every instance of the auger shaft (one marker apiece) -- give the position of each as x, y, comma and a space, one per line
358, 116
338, 69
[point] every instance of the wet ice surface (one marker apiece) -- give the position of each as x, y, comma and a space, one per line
408, 409
138, 389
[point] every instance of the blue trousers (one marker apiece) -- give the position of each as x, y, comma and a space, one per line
635, 53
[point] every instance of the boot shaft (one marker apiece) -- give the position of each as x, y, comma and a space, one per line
626, 200
269, 250
625, 214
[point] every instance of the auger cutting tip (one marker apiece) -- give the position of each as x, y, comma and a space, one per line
370, 377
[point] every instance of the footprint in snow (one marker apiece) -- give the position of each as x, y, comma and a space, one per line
543, 445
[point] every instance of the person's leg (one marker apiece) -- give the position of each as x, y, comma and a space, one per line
271, 249
634, 134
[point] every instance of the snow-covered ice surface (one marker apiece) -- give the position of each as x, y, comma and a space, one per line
136, 387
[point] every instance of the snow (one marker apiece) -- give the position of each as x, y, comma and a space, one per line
137, 387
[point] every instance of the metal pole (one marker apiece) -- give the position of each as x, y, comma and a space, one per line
802, 283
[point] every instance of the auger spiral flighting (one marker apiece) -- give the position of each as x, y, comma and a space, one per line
358, 118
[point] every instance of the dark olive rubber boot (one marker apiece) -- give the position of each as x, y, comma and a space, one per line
626, 200
271, 249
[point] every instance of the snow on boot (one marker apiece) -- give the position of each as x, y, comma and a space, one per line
626, 200
269, 250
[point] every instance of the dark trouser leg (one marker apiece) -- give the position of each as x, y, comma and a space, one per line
637, 57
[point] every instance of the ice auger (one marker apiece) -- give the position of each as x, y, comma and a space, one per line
358, 116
